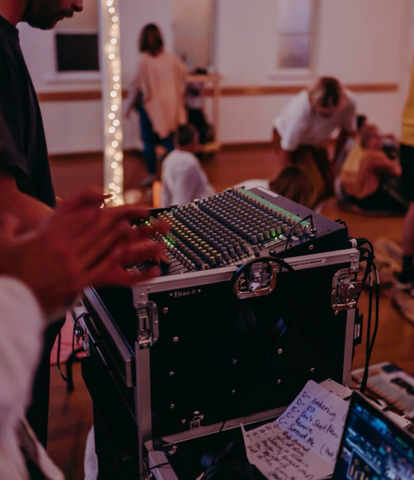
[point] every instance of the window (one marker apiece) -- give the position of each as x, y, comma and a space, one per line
295, 34
77, 42
193, 32
77, 52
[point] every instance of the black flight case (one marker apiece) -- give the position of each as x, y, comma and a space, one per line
175, 365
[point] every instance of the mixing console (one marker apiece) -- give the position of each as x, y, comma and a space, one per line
236, 225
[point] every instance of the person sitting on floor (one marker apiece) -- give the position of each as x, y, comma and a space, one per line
367, 175
183, 179
303, 181
294, 183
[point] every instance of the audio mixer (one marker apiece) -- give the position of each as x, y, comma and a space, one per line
258, 297
237, 225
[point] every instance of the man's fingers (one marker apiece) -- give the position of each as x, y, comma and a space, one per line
151, 229
133, 252
92, 197
99, 243
110, 271
132, 212
123, 277
105, 228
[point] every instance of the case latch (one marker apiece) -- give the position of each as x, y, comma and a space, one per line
197, 419
345, 290
148, 330
257, 279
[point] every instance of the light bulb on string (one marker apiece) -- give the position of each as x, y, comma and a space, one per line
112, 99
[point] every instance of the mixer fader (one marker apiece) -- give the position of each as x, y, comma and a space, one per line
236, 225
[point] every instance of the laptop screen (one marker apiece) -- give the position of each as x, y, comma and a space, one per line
372, 446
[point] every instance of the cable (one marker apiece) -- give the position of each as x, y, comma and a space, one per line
290, 234
368, 343
371, 272
64, 378
148, 470
59, 342
75, 324
243, 267
376, 323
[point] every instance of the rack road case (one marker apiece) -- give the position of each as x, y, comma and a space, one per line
175, 365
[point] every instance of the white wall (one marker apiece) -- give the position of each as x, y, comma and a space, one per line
191, 30
357, 41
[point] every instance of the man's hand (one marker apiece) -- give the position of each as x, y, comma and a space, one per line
79, 245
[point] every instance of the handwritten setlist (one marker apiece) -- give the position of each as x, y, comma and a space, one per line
304, 441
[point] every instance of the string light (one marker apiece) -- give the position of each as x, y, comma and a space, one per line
112, 100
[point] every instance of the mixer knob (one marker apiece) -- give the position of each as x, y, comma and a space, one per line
260, 237
245, 248
253, 238
272, 232
266, 234
212, 261
239, 250
226, 255
306, 230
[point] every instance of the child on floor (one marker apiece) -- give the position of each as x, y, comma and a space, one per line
368, 175
183, 179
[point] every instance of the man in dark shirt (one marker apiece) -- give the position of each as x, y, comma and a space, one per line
26, 188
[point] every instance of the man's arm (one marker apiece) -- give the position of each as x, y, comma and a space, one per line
29, 210
379, 163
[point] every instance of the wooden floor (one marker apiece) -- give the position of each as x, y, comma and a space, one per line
70, 414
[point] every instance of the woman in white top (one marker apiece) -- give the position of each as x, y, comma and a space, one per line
157, 94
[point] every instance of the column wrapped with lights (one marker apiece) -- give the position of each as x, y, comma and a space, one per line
112, 99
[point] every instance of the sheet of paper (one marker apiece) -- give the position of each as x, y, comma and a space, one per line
303, 442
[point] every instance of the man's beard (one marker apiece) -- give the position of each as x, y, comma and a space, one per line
39, 16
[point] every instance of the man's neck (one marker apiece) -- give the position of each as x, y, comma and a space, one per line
13, 11
187, 149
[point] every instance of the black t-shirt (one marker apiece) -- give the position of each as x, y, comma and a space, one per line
23, 151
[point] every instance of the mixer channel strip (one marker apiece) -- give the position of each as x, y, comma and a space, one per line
226, 229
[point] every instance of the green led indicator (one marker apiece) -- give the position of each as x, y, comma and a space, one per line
276, 208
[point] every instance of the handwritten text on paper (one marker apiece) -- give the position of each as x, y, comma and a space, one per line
304, 441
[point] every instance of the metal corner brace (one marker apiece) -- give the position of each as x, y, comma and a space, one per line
148, 326
345, 289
